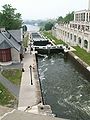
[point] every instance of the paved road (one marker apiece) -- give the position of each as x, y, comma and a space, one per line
13, 89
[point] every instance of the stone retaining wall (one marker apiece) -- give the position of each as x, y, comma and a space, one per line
80, 65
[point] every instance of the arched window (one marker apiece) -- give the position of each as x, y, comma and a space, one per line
68, 35
79, 40
85, 43
75, 38
71, 36
78, 27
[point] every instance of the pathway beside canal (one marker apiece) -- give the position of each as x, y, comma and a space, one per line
28, 92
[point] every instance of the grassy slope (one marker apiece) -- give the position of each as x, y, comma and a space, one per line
51, 37
14, 75
5, 97
82, 54
79, 51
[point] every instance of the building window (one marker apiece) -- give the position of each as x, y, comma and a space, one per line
75, 38
87, 17
71, 36
87, 28
79, 18
75, 25
84, 17
76, 17
65, 34
68, 35
82, 27
85, 43
78, 27
79, 40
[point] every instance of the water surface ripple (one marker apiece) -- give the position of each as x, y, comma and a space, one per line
64, 87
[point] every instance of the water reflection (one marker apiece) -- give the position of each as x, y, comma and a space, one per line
32, 28
64, 88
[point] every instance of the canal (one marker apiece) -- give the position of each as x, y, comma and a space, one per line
64, 87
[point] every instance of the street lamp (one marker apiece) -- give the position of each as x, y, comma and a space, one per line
31, 74
30, 48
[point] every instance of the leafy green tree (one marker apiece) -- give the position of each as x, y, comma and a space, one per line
60, 19
48, 26
69, 17
9, 18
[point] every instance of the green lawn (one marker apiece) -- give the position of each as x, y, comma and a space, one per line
51, 37
79, 51
6, 99
14, 75
82, 54
25, 41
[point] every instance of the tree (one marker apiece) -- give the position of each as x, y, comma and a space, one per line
48, 26
60, 19
9, 19
69, 17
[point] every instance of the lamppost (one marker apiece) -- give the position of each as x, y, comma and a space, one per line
30, 48
31, 74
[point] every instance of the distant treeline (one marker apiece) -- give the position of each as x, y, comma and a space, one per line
47, 25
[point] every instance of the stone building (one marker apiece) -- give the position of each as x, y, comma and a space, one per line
77, 32
10, 46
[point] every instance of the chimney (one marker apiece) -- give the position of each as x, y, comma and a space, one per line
89, 5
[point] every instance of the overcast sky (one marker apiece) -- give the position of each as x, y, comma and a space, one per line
44, 9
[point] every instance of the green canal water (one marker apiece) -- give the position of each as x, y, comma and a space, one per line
64, 88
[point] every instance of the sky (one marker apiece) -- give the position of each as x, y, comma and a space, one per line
45, 9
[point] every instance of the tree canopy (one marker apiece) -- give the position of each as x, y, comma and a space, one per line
48, 26
9, 18
69, 17
60, 19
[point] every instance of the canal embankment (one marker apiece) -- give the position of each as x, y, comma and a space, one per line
82, 60
30, 96
80, 64
64, 87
